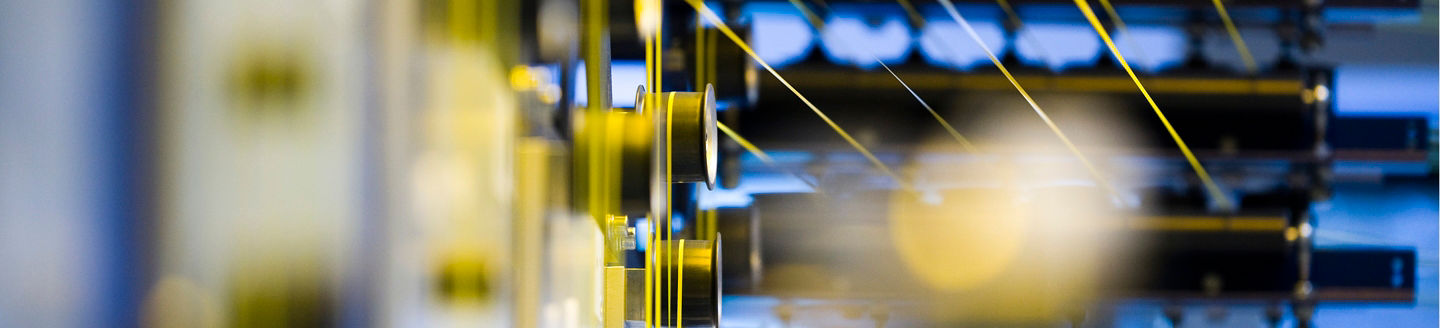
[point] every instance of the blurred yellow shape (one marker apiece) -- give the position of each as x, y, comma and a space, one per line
961, 243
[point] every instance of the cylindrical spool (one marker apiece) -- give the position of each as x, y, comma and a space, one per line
690, 117
634, 133
696, 285
741, 227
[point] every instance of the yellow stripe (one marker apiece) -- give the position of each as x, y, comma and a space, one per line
1258, 224
653, 268
640, 13
650, 304
1091, 83
1204, 223
595, 21
680, 282
1189, 156
713, 221
669, 180
659, 47
950, 8
1180, 224
710, 15
1235, 37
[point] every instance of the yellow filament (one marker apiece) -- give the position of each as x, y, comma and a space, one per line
915, 16
746, 144
654, 277
680, 291
650, 279
1189, 156
653, 252
749, 147
710, 15
950, 8
1235, 37
669, 180
949, 129
655, 79
814, 19
1010, 13
819, 25
659, 68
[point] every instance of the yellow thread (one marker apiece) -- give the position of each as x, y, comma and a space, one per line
746, 144
680, 291
758, 153
1009, 11
642, 12
596, 18
669, 180
659, 47
649, 284
710, 15
655, 67
815, 21
949, 129
954, 134
1120, 25
1235, 37
712, 232
653, 256
950, 8
915, 17
1194, 163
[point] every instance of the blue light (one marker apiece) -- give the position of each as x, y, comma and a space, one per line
780, 34
850, 38
625, 76
945, 44
1060, 45
677, 223
642, 234
1159, 46
1387, 90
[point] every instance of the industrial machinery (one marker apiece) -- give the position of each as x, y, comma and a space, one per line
518, 170
897, 224
1015, 240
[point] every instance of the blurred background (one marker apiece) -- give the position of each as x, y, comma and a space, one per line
488, 163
